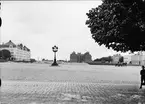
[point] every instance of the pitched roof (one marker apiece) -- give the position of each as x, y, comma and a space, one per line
9, 43
20, 46
2, 46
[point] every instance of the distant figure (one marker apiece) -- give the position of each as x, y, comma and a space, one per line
142, 73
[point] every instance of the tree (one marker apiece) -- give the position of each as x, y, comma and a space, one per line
121, 59
32, 60
6, 54
119, 24
107, 59
0, 54
104, 59
43, 59
0, 21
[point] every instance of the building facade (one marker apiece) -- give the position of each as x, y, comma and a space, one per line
18, 52
86, 57
138, 59
73, 57
115, 58
142, 58
135, 58
127, 59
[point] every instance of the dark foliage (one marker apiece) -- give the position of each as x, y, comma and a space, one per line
43, 59
121, 59
0, 54
32, 60
0, 21
119, 24
5, 54
104, 59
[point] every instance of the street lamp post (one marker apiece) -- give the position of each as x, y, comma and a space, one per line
54, 49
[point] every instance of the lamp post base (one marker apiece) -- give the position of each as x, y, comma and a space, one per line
54, 64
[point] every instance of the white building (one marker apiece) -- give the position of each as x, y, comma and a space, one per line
138, 58
127, 58
18, 52
116, 57
142, 58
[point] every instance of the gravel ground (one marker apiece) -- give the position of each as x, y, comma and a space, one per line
70, 84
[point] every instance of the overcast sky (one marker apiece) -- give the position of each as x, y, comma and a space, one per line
42, 24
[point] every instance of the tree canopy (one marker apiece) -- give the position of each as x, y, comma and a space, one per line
118, 24
104, 59
5, 54
32, 60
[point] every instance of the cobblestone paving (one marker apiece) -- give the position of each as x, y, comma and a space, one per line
30, 92
70, 84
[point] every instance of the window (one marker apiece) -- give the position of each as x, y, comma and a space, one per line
10, 46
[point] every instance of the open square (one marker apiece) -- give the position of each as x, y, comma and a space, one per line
70, 83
